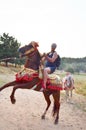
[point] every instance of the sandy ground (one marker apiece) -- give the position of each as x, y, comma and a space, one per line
26, 113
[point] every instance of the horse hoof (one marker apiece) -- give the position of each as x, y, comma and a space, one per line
13, 100
56, 122
42, 117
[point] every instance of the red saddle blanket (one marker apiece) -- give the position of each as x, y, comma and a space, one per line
58, 87
25, 77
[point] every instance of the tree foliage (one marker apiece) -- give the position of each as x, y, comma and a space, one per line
8, 46
73, 64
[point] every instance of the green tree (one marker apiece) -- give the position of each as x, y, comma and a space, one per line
70, 70
8, 46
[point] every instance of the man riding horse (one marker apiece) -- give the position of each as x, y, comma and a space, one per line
50, 65
29, 78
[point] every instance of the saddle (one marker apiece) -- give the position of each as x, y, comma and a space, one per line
53, 80
28, 74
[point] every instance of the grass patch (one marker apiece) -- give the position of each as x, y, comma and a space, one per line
81, 90
80, 84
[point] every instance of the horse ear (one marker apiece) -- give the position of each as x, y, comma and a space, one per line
34, 44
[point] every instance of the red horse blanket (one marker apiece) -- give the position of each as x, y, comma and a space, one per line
26, 78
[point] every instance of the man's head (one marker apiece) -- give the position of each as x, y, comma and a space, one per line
53, 46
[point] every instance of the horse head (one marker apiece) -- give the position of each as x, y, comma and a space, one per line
32, 53
27, 49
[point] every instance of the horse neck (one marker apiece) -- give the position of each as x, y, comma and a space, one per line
33, 61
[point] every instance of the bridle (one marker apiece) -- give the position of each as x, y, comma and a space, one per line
33, 53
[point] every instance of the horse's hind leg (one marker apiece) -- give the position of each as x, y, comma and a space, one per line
47, 98
56, 97
7, 85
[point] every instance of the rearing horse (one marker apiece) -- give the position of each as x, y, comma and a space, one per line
35, 83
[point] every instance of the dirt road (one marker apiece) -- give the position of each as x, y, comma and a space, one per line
26, 113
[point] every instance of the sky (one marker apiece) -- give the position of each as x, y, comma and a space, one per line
47, 21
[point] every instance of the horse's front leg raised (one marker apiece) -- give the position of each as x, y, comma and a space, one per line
21, 86
13, 100
7, 85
